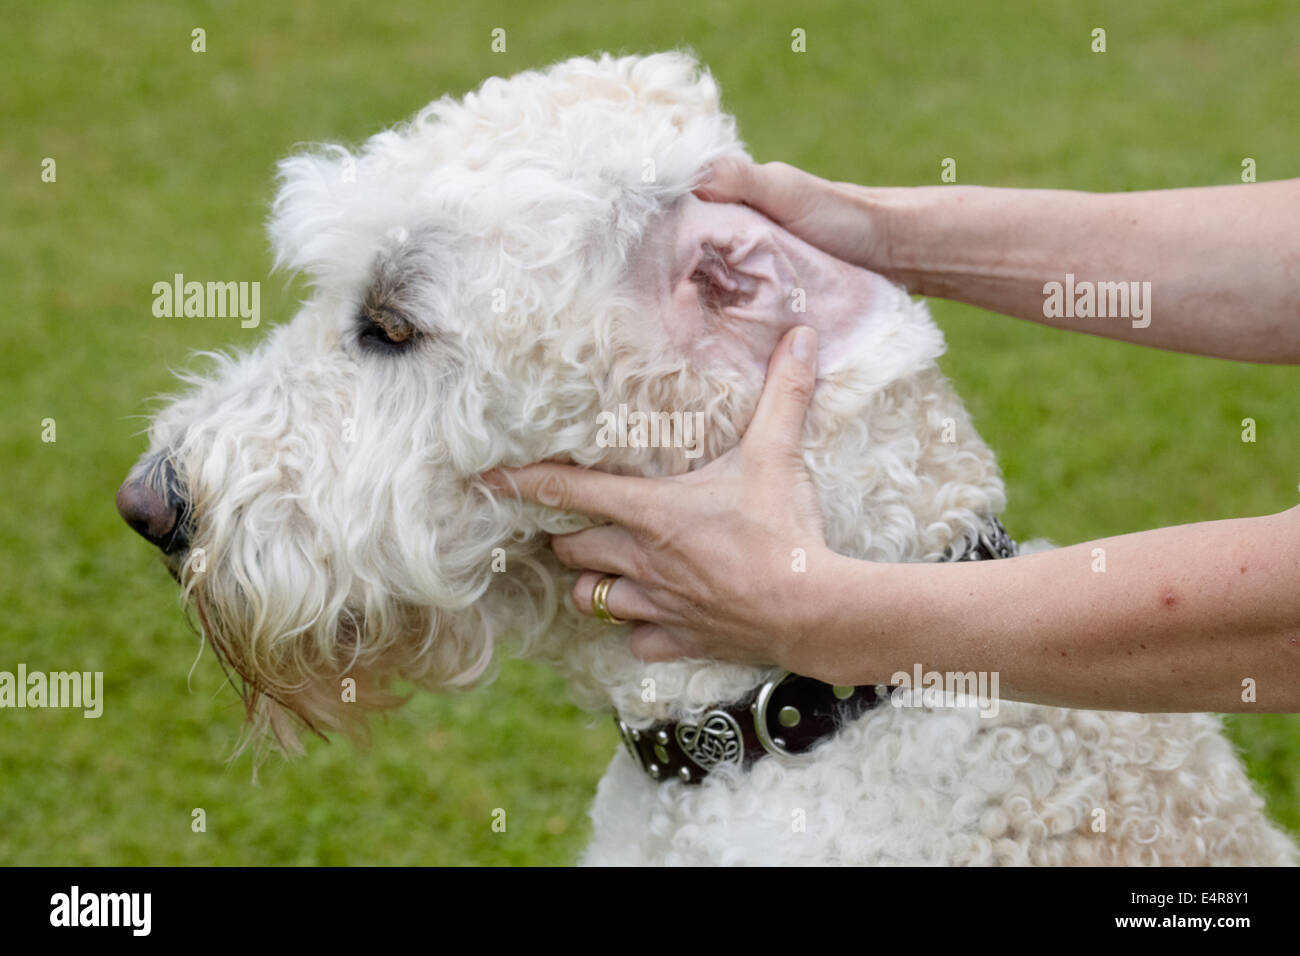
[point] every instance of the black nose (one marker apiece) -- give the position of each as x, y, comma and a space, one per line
153, 514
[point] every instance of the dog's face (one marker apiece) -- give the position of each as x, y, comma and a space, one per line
486, 282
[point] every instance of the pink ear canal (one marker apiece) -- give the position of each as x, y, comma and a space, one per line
719, 285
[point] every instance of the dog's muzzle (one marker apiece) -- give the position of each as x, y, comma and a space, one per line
159, 515
784, 719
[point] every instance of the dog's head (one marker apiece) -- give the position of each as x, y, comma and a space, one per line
511, 277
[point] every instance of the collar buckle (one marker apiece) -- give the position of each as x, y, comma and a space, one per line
775, 746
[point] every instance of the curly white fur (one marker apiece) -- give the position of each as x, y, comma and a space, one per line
345, 532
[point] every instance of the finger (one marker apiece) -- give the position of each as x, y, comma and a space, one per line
624, 599
608, 548
774, 189
615, 498
791, 377
729, 179
650, 642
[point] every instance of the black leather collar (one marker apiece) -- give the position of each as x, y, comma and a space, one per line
785, 718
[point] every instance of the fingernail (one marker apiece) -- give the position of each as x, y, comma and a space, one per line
804, 346
551, 491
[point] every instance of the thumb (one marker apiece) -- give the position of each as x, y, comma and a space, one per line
731, 179
777, 425
778, 190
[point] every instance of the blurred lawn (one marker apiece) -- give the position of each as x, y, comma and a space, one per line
164, 163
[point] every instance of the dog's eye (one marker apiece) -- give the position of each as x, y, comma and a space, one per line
385, 330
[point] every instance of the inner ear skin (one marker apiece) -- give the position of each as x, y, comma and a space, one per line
743, 274
720, 286
726, 283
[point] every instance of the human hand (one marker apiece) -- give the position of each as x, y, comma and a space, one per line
706, 559
837, 218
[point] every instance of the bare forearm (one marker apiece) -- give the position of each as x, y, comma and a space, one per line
1177, 621
1223, 262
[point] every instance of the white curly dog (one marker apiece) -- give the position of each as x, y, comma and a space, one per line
487, 281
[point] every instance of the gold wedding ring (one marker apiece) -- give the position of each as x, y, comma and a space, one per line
598, 605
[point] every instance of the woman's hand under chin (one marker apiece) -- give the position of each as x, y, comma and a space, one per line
713, 563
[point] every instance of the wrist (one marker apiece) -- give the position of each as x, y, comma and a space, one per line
866, 215
990, 246
912, 223
846, 630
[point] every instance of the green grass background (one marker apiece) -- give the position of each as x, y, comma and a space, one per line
164, 165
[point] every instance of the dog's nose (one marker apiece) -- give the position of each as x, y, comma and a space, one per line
151, 514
